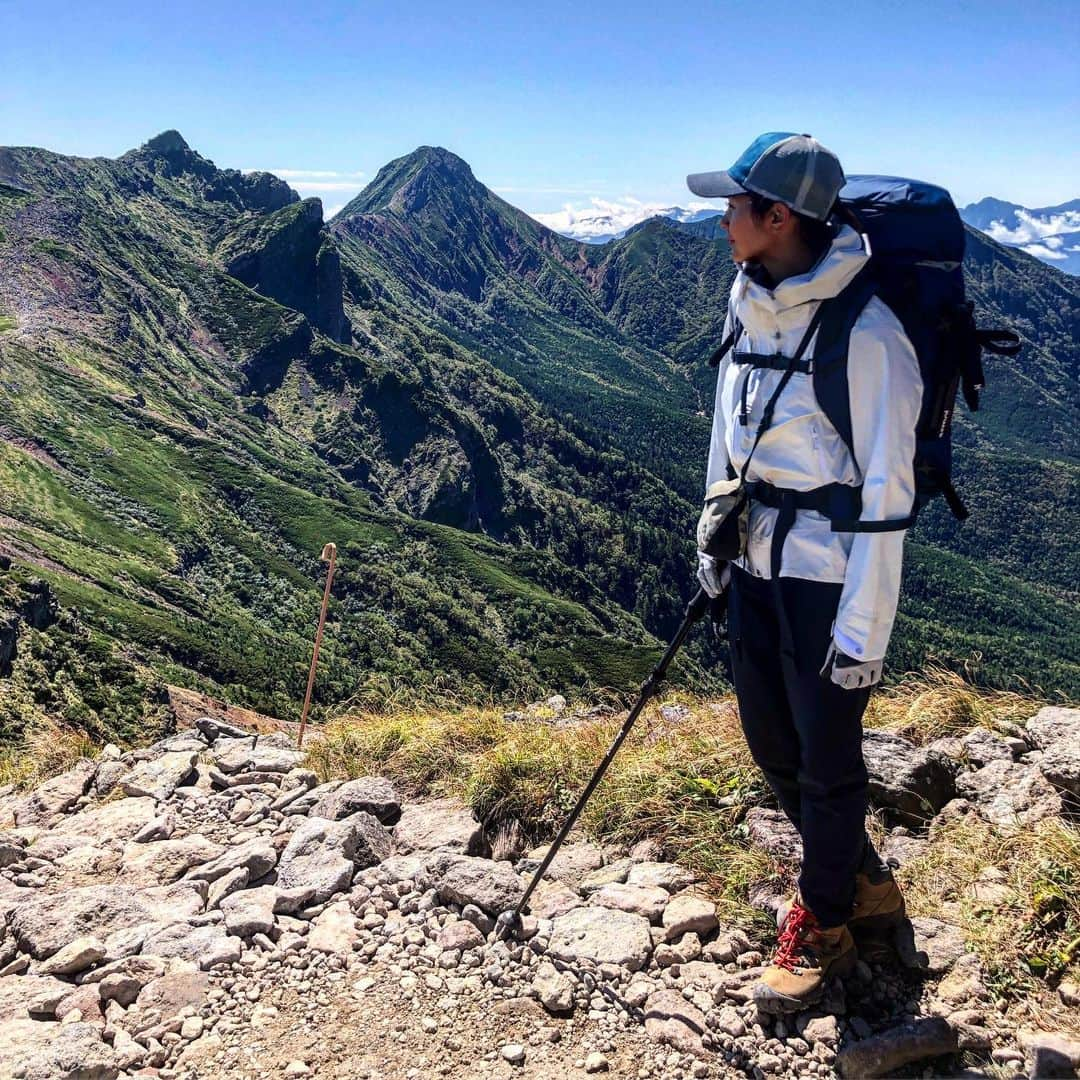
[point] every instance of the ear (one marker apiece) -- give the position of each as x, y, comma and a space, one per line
780, 217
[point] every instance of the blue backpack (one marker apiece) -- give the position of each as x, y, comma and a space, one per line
916, 242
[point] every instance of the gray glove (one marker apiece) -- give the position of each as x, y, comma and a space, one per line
847, 672
714, 574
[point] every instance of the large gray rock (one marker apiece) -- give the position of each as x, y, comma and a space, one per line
206, 946
884, 1053
250, 911
44, 924
373, 795
689, 913
159, 777
319, 857
32, 1050
12, 849
671, 1019
441, 823
912, 781
771, 831
166, 860
1050, 1054
74, 957
571, 863
158, 1006
267, 755
373, 842
554, 988
462, 879
18, 993
1007, 793
648, 901
257, 856
982, 746
1054, 724
119, 820
929, 945
1060, 764
603, 935
56, 796
667, 875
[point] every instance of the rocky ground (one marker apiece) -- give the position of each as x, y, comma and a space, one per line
205, 908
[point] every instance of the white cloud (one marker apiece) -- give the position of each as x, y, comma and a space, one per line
606, 217
1035, 230
1042, 251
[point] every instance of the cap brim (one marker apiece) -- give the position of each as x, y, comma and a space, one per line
714, 185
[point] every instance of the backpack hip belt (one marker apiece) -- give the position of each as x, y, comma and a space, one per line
840, 503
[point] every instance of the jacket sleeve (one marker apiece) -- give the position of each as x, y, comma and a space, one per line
885, 389
718, 455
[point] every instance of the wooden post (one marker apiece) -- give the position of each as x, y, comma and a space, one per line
328, 552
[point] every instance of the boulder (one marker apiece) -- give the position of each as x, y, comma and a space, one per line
251, 911
43, 924
552, 898
373, 841
319, 857
603, 935
1054, 724
462, 879
257, 857
119, 820
108, 775
164, 861
459, 934
1049, 1053
913, 782
771, 831
20, 993
613, 874
32, 1050
1060, 764
888, 1051
648, 901
671, 1019
74, 957
12, 849
205, 946
267, 755
1007, 793
373, 795
689, 913
159, 777
571, 863
442, 823
334, 931
929, 945
56, 796
161, 1000
667, 875
982, 746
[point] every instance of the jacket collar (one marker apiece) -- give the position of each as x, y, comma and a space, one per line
845, 257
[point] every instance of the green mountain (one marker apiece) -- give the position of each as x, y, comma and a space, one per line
504, 431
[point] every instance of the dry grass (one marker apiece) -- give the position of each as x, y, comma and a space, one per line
45, 750
684, 779
938, 702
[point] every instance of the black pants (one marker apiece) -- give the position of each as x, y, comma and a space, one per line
804, 731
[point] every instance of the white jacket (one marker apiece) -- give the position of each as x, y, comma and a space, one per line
802, 450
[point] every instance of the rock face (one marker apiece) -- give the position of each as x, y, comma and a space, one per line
56, 796
911, 781
159, 777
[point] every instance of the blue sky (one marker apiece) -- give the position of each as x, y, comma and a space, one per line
556, 103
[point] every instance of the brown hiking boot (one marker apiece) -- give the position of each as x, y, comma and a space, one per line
879, 904
806, 958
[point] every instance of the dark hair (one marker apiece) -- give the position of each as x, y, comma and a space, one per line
817, 235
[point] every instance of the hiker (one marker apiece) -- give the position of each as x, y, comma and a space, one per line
810, 607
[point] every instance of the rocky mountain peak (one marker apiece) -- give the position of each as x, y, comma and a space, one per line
168, 142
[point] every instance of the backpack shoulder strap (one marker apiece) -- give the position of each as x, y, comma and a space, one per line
830, 362
727, 344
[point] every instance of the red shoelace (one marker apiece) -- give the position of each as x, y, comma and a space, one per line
792, 940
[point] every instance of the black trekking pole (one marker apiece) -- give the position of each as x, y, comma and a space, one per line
510, 921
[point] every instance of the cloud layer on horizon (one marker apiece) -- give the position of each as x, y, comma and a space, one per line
608, 217
1051, 237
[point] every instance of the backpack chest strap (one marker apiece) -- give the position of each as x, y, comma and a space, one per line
772, 361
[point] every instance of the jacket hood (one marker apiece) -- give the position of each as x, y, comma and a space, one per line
845, 257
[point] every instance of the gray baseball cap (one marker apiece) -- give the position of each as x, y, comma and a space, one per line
793, 169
